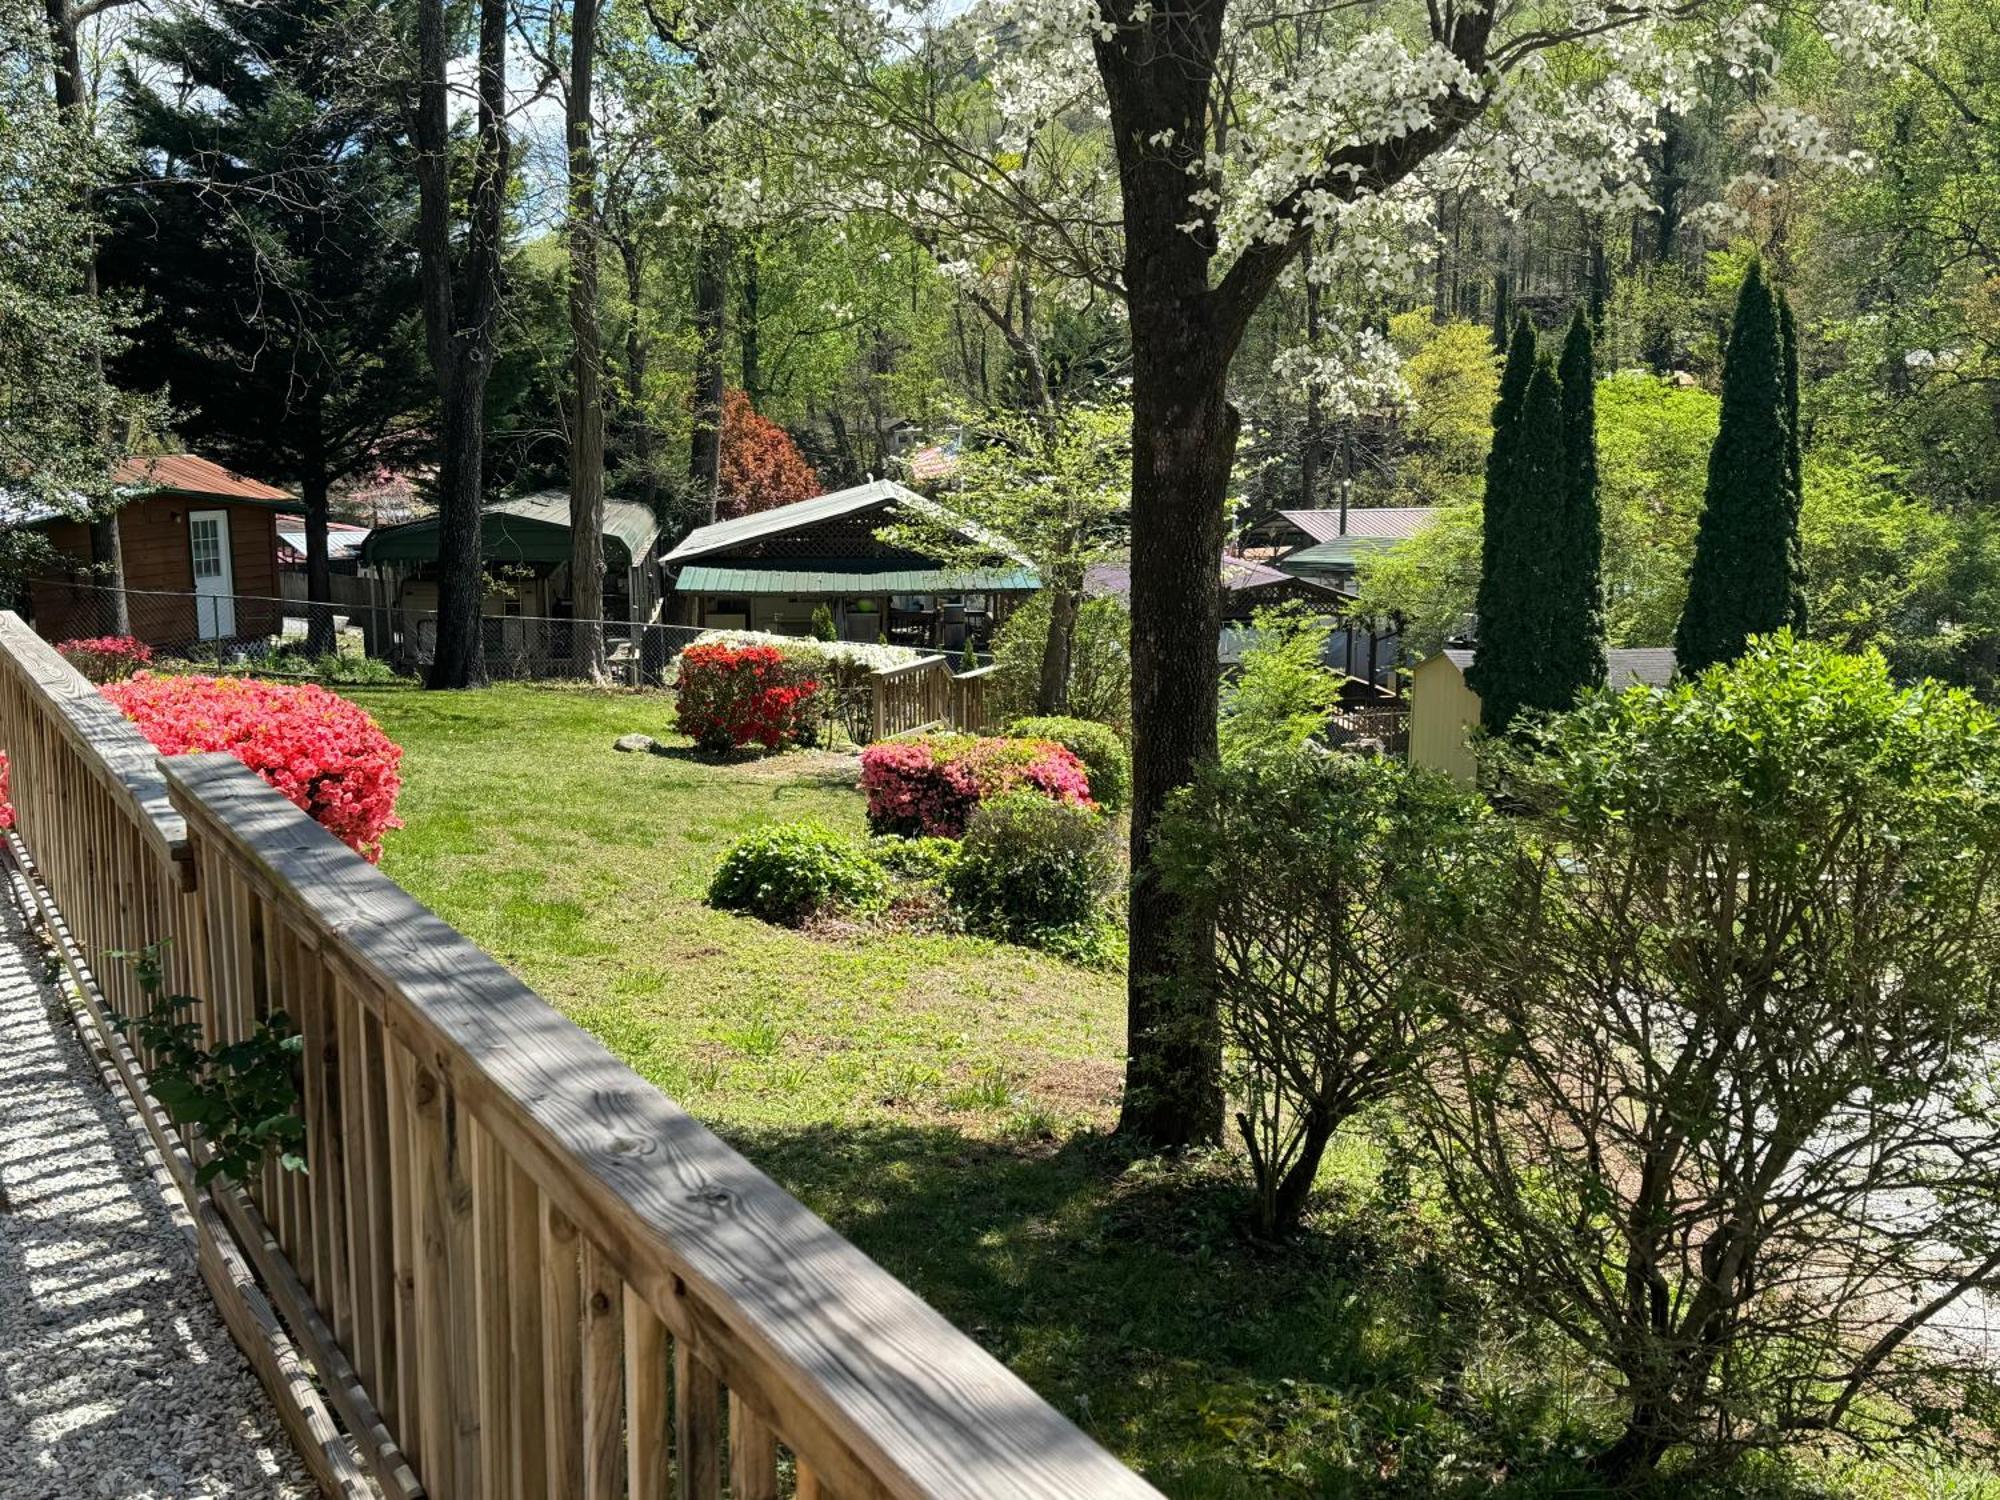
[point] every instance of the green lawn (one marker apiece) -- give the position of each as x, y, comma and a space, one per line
944, 1102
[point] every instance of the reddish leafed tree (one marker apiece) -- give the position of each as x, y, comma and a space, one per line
761, 465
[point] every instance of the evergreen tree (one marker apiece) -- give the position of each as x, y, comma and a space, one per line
1743, 580
269, 240
1525, 537
1576, 632
1788, 333
1520, 364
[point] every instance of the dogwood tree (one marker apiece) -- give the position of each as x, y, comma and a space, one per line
1241, 131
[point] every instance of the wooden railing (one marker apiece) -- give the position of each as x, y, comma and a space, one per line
515, 1268
927, 694
1377, 726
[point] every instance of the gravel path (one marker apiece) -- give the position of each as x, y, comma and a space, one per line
117, 1377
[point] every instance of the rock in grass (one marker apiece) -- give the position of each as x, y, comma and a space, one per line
632, 743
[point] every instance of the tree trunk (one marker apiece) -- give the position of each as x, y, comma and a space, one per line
1315, 433
1183, 441
460, 338
107, 546
711, 318
586, 454
314, 490
749, 328
1052, 694
638, 356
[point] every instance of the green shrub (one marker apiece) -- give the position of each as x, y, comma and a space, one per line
791, 871
921, 858
822, 624
1032, 870
1100, 675
1104, 756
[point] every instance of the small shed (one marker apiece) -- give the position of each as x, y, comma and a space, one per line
1444, 710
199, 545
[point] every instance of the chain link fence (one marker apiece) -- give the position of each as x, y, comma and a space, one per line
352, 641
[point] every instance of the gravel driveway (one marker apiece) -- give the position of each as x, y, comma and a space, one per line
117, 1377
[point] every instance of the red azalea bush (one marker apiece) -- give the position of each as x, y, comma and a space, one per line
6, 794
931, 785
744, 695
328, 756
106, 658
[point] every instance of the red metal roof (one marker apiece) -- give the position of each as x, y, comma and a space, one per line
193, 476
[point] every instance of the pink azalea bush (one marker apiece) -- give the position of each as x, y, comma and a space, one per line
931, 785
328, 756
6, 794
106, 658
744, 695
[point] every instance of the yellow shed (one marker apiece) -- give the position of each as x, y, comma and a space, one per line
1444, 710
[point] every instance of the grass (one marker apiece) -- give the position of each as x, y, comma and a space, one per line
944, 1101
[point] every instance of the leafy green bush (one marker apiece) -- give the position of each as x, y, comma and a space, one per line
1104, 756
791, 871
1032, 870
822, 624
1320, 888
1100, 673
1279, 698
921, 858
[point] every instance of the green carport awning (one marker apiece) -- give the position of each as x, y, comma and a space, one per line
526, 529
831, 579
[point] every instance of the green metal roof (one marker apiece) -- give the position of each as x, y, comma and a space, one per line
527, 529
1338, 555
841, 576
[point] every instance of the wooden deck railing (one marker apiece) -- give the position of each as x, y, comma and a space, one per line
927, 694
517, 1269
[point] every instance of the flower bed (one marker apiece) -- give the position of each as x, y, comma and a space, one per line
745, 695
106, 658
931, 785
326, 755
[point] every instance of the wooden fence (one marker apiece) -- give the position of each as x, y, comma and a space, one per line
927, 694
515, 1269
1384, 727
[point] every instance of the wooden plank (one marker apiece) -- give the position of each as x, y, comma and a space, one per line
753, 1454
697, 1427
405, 1249
856, 1373
603, 1378
528, 1422
645, 1401
562, 1353
493, 1403
436, 1341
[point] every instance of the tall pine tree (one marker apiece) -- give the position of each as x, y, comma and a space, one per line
1576, 598
269, 238
1524, 536
1744, 577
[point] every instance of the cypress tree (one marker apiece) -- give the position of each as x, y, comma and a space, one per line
1742, 581
1524, 537
1506, 408
1576, 635
1788, 335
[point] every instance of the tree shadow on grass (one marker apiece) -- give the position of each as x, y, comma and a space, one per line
1122, 1290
